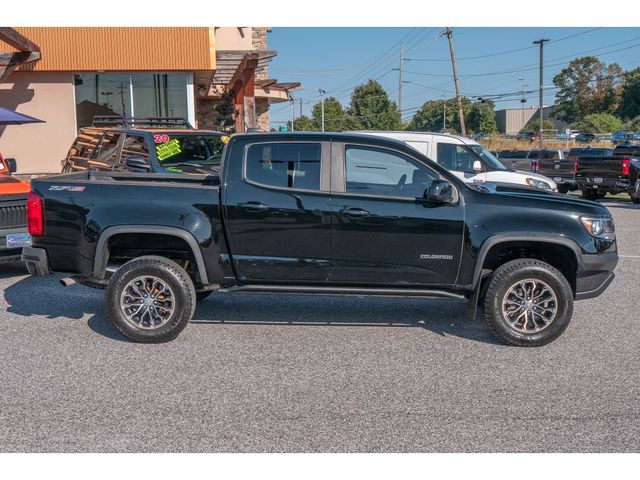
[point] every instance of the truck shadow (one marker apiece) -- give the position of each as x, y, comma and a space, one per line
45, 297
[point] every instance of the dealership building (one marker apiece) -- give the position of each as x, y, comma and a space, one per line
143, 72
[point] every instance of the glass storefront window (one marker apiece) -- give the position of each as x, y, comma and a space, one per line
160, 94
154, 95
101, 94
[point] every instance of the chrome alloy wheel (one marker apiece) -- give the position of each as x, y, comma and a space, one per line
147, 302
529, 306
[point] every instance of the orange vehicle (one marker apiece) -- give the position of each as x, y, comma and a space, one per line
13, 212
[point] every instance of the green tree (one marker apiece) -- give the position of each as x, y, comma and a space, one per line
534, 125
634, 124
481, 117
336, 118
370, 104
587, 86
429, 117
303, 124
599, 123
630, 101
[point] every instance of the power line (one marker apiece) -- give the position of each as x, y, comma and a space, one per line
505, 52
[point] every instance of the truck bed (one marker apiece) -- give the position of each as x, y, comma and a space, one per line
78, 207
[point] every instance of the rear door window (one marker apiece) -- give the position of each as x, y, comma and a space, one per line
285, 165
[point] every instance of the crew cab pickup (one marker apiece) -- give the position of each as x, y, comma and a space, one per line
618, 172
321, 214
549, 163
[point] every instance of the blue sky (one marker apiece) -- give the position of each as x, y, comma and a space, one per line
337, 59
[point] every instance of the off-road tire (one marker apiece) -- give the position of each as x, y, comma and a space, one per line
501, 281
167, 271
589, 194
201, 295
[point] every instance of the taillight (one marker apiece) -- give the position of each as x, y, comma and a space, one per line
35, 219
625, 166
575, 167
535, 166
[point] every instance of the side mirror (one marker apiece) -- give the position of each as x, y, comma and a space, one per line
477, 166
11, 164
440, 191
138, 164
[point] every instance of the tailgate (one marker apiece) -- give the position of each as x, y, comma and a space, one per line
13, 211
556, 167
599, 167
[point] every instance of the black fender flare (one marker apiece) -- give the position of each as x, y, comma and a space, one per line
101, 256
480, 273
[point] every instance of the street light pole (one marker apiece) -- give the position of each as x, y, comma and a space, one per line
322, 94
541, 43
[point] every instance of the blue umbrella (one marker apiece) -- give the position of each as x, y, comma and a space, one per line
7, 117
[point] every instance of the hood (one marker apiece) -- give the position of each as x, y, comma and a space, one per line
535, 176
536, 198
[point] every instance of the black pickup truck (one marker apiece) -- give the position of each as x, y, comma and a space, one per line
602, 172
553, 164
325, 214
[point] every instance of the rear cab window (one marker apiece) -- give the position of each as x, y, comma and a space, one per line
292, 165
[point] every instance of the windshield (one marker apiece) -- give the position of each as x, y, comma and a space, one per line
180, 148
488, 158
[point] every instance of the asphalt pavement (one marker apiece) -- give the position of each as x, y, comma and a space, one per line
304, 374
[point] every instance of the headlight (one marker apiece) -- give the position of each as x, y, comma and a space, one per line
532, 182
598, 226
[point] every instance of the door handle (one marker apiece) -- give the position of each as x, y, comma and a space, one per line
354, 212
254, 207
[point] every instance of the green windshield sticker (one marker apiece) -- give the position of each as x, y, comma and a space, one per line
168, 149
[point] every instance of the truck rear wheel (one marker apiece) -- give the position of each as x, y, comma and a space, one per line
528, 303
150, 299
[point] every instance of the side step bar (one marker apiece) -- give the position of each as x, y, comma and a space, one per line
351, 291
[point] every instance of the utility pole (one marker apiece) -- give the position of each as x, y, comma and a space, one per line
523, 100
444, 110
300, 107
541, 43
322, 94
293, 111
400, 78
448, 32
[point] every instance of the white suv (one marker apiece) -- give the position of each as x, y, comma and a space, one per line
466, 159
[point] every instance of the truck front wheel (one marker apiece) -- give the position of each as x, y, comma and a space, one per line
528, 303
150, 299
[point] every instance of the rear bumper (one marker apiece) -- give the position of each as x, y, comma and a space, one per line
595, 274
10, 254
607, 183
36, 260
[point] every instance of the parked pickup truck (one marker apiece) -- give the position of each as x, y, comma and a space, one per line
321, 214
13, 212
552, 164
618, 172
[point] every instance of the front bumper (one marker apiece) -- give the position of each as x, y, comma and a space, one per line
595, 274
36, 260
